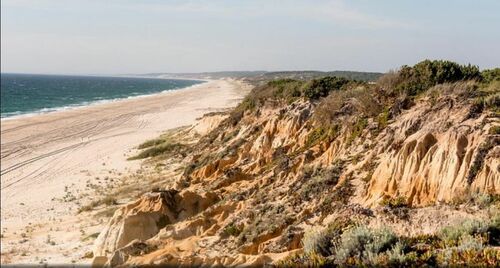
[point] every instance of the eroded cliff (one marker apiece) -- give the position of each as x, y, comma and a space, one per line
261, 176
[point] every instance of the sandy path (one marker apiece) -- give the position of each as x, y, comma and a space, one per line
44, 154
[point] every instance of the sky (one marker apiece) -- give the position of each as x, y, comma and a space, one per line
144, 36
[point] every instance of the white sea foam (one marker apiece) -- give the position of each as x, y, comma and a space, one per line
18, 114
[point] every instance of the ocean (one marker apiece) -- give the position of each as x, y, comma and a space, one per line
23, 94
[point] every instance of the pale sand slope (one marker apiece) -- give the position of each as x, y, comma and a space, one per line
41, 155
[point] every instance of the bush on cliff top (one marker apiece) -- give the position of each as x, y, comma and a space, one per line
427, 73
289, 90
318, 88
491, 75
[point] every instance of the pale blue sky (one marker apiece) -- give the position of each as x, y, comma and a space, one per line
132, 36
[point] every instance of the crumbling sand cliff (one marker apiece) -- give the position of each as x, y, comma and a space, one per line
257, 179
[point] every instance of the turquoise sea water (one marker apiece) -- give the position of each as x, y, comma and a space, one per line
27, 93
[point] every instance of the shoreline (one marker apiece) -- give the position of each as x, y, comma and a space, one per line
101, 102
49, 161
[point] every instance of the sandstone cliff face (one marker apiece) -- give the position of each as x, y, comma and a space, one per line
141, 220
252, 188
447, 156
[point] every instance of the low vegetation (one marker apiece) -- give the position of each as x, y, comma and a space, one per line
168, 144
108, 201
324, 133
232, 230
272, 219
160, 149
320, 181
471, 242
309, 75
398, 202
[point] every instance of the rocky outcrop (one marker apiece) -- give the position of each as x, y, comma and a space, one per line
141, 220
144, 218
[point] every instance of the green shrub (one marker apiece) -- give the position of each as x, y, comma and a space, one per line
357, 129
108, 200
383, 119
398, 202
232, 230
364, 244
486, 257
396, 255
286, 89
342, 192
322, 180
280, 89
317, 241
162, 148
317, 135
471, 243
318, 88
492, 101
289, 90
491, 75
352, 100
272, 218
425, 74
484, 200
248, 104
494, 130
151, 143
468, 242
322, 241
451, 235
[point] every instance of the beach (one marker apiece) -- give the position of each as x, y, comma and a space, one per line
43, 156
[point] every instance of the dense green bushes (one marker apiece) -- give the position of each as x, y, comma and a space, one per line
289, 90
491, 75
428, 73
364, 244
318, 88
425, 74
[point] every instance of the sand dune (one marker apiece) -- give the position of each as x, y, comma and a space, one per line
44, 155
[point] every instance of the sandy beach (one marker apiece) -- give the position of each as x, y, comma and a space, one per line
44, 155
